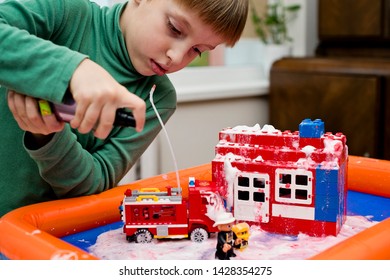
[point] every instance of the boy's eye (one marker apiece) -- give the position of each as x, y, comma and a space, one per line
173, 29
197, 51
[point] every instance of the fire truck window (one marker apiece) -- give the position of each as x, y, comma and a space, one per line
258, 183
243, 181
259, 197
301, 180
285, 193
243, 195
301, 194
285, 178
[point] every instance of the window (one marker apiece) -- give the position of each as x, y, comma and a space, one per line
293, 186
252, 196
285, 193
301, 180
259, 183
259, 196
243, 181
285, 178
301, 194
243, 195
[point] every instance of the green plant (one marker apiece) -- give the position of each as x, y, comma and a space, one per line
272, 26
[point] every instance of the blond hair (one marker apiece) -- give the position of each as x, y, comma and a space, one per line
226, 17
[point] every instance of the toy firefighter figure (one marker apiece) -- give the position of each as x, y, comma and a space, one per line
227, 239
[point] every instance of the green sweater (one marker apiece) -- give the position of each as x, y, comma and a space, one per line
41, 44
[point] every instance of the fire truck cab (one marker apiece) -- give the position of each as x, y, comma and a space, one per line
153, 213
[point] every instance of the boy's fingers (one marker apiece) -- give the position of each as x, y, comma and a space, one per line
138, 107
106, 121
10, 101
79, 115
139, 116
13, 108
100, 116
52, 123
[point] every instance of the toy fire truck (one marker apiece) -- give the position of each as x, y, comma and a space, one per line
152, 213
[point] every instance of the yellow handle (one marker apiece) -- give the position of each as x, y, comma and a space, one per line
141, 197
150, 190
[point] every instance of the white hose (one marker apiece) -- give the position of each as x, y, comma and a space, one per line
166, 135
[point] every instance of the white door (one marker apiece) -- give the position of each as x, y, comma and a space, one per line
251, 197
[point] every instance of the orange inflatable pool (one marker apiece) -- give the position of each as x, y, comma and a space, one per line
34, 232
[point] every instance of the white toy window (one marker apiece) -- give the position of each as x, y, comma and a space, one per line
251, 199
294, 186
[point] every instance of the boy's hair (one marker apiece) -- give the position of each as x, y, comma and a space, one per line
226, 17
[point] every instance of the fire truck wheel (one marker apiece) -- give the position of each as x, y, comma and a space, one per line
199, 235
143, 236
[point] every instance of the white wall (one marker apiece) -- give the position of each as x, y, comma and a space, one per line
303, 31
210, 99
304, 28
194, 128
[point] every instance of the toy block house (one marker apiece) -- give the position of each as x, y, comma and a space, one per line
285, 182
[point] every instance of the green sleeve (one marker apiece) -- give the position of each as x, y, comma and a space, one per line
30, 62
77, 164
99, 169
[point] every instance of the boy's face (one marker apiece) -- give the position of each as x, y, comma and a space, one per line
163, 37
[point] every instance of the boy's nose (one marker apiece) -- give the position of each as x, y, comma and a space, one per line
176, 54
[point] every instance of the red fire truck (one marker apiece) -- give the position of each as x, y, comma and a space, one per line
153, 213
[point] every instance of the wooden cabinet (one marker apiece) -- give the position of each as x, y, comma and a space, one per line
349, 95
352, 19
347, 84
354, 28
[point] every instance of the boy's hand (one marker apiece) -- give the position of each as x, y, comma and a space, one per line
27, 114
97, 96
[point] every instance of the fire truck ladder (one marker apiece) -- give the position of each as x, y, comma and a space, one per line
154, 195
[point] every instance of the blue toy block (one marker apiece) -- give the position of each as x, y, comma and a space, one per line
311, 129
327, 215
328, 208
327, 201
327, 182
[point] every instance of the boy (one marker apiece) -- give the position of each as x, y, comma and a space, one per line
105, 58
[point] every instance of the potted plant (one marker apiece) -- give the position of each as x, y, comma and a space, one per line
271, 28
